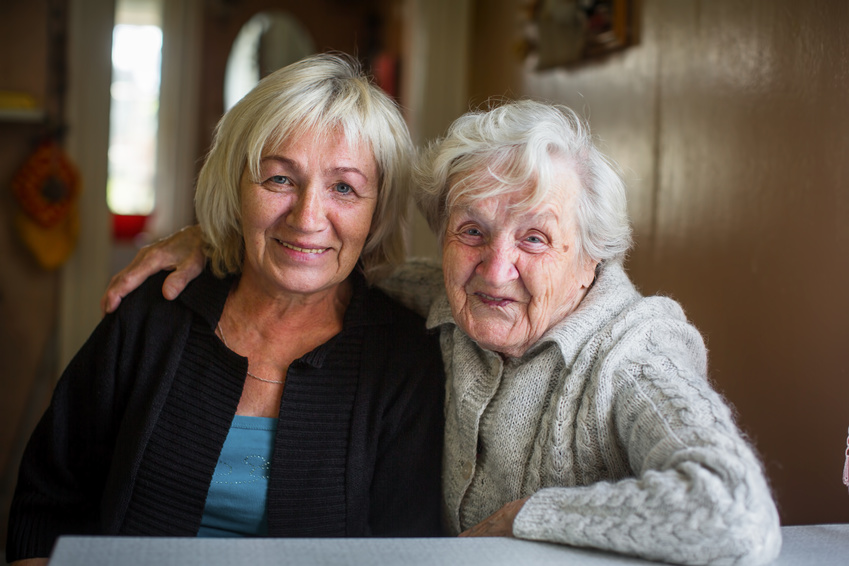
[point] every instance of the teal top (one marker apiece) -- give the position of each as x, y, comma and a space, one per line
236, 501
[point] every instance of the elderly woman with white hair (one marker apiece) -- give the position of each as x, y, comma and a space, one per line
577, 410
282, 395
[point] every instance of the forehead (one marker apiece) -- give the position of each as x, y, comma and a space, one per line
333, 142
505, 214
551, 197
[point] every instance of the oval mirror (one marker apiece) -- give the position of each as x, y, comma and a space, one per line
267, 42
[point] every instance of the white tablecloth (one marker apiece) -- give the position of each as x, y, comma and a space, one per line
816, 545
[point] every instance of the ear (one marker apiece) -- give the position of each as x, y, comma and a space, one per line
587, 273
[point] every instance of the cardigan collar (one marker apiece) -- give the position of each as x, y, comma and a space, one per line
206, 295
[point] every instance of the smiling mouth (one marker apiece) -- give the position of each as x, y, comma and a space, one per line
494, 301
302, 250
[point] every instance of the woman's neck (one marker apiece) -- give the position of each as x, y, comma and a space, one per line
274, 331
276, 312
283, 327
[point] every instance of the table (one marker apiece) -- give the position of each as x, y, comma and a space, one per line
819, 545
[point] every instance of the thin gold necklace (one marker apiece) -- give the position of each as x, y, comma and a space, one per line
221, 332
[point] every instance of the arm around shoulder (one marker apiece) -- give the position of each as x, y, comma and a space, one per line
181, 253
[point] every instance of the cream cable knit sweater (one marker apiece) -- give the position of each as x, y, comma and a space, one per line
609, 422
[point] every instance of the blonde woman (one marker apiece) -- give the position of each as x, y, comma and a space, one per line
281, 394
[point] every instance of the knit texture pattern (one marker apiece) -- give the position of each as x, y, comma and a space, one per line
608, 422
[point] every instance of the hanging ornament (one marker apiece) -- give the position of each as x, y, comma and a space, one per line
47, 187
46, 184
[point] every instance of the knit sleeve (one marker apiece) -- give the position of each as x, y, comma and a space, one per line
415, 284
674, 480
65, 463
68, 462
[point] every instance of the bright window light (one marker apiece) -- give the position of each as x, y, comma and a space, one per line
134, 114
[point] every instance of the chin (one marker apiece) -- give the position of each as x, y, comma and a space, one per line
487, 338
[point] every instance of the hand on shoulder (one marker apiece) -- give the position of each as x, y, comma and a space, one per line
181, 252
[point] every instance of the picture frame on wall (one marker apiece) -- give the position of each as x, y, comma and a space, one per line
562, 33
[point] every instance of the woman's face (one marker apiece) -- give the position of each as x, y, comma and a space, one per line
512, 274
306, 219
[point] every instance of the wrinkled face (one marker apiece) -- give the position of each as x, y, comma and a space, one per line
513, 274
306, 219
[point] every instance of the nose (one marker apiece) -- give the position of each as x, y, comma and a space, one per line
498, 263
307, 213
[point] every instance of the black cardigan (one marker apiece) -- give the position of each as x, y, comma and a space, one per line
131, 439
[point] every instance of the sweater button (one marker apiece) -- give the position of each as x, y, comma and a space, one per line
467, 469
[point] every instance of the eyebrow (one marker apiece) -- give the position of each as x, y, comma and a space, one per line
524, 215
294, 165
350, 170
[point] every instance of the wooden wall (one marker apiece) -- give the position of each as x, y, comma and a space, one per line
730, 120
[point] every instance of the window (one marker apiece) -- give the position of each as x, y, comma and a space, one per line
134, 115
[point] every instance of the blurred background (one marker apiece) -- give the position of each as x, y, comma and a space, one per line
730, 121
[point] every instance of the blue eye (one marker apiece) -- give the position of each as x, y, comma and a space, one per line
279, 179
534, 239
473, 232
344, 188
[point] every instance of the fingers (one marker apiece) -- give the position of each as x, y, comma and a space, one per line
180, 277
109, 301
129, 278
187, 249
181, 252
490, 527
499, 524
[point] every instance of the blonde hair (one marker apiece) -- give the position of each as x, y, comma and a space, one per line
321, 93
485, 153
